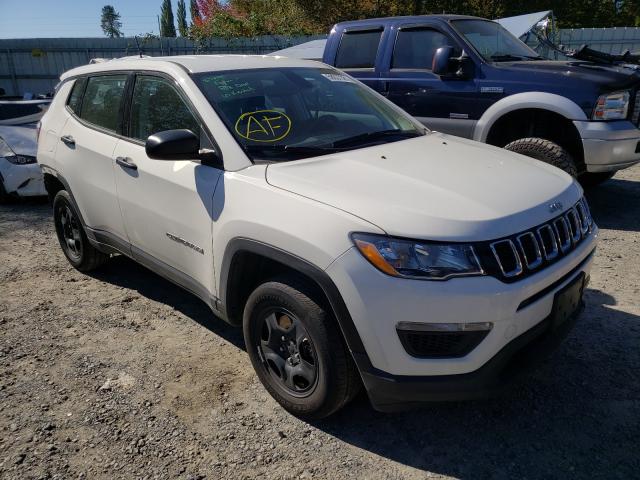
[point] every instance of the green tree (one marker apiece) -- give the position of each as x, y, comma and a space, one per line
110, 22
181, 13
167, 26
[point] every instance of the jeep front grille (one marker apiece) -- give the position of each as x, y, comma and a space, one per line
635, 113
528, 252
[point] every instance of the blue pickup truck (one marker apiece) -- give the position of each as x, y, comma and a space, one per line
470, 77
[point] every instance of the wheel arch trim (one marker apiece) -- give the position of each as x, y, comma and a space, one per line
526, 101
317, 275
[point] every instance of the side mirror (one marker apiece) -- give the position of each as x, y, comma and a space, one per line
173, 145
440, 63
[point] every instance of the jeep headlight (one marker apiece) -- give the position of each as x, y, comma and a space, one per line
612, 106
418, 259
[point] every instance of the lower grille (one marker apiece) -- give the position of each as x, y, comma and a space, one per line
440, 344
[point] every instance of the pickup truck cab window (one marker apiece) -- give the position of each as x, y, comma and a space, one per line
292, 113
101, 102
156, 106
415, 47
358, 49
493, 41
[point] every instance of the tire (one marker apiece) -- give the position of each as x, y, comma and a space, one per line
72, 237
546, 151
593, 179
281, 319
4, 196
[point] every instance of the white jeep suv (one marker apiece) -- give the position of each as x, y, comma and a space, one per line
354, 246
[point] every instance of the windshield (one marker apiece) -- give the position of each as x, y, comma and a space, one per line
493, 41
291, 113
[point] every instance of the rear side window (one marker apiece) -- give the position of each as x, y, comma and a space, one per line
358, 49
415, 48
101, 102
75, 99
157, 106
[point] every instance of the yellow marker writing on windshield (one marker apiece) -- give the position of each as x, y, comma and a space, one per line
263, 126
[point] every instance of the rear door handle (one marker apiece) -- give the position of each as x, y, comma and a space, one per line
68, 140
126, 162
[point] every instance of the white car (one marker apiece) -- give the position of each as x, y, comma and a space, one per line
353, 246
20, 175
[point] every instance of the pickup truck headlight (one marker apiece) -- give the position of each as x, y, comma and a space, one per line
416, 259
612, 106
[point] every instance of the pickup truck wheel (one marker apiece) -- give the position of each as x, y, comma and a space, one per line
546, 151
593, 179
72, 237
297, 350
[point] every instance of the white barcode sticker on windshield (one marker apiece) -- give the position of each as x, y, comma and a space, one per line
337, 77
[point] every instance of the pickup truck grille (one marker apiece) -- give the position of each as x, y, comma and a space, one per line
518, 256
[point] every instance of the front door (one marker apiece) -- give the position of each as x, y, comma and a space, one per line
444, 104
167, 206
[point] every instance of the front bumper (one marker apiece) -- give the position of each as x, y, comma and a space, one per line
377, 302
22, 180
609, 146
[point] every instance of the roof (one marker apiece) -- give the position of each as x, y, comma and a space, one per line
313, 50
191, 63
409, 18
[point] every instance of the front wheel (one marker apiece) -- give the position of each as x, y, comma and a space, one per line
72, 237
297, 350
546, 151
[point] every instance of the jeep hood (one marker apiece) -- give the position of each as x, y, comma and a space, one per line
433, 187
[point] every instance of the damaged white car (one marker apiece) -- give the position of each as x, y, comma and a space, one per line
20, 174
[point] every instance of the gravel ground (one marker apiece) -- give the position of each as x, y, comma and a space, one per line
119, 374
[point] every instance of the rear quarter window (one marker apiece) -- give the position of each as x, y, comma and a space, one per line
75, 97
358, 49
100, 105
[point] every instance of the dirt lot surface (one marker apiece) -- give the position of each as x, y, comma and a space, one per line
120, 374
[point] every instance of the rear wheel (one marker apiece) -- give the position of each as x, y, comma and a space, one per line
72, 237
593, 179
546, 151
297, 350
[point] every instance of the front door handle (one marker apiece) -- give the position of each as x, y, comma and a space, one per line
68, 140
126, 162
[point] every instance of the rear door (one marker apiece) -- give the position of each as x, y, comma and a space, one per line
86, 147
358, 54
167, 205
446, 104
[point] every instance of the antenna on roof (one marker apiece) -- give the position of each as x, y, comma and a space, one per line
138, 45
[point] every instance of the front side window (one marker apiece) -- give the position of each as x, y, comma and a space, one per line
415, 48
493, 41
291, 113
358, 49
157, 106
101, 101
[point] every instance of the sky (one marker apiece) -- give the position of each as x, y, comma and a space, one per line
76, 18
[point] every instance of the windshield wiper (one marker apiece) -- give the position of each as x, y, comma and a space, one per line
508, 57
369, 136
292, 149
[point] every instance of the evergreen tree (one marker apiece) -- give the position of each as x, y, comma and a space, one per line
110, 22
167, 26
183, 28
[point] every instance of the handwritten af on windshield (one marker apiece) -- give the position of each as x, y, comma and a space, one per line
263, 126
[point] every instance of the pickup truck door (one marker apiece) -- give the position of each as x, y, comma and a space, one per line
359, 53
167, 205
444, 104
